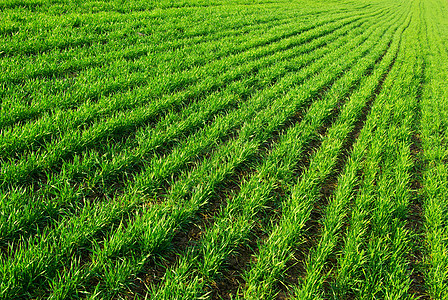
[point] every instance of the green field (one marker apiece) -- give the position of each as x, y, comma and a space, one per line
224, 149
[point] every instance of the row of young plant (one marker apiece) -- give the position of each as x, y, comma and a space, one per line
75, 30
46, 66
164, 27
74, 232
199, 82
64, 92
101, 170
58, 63
233, 223
434, 137
261, 180
45, 93
18, 139
385, 261
194, 27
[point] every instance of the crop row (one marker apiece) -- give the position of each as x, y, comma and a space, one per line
434, 136
75, 91
209, 79
123, 269
278, 248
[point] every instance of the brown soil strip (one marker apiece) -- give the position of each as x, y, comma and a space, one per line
230, 281
415, 218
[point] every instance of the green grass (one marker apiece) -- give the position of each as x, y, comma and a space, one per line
223, 149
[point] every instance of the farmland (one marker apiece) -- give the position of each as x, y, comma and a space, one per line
224, 149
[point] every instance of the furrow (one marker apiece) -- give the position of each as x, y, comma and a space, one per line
434, 136
175, 213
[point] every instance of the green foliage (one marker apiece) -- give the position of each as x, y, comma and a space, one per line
145, 146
